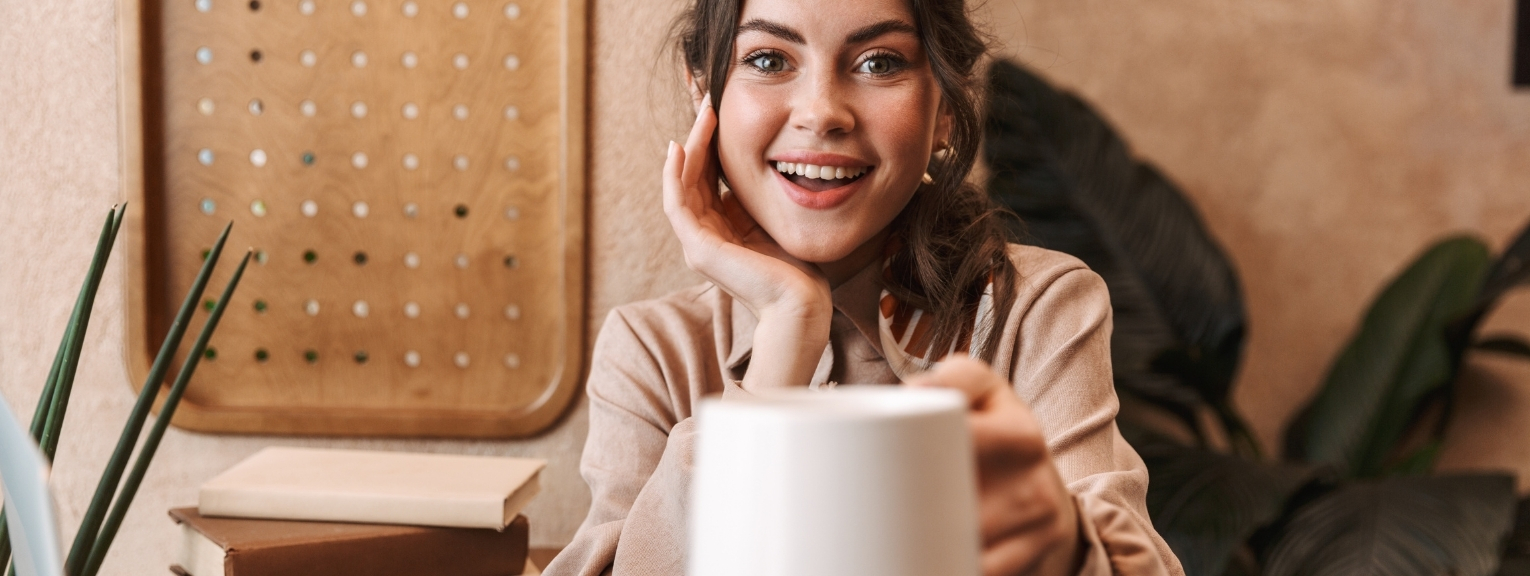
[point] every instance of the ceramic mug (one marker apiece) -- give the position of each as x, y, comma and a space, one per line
873, 480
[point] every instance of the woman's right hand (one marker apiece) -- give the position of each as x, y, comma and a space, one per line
724, 243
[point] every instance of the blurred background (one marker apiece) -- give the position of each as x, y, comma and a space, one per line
1325, 145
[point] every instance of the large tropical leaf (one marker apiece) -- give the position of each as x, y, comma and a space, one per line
1206, 505
1179, 318
1399, 527
1510, 271
1516, 552
1397, 360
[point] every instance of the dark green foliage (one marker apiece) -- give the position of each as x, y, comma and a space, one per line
1179, 319
1399, 527
1206, 505
1516, 553
1179, 325
1397, 360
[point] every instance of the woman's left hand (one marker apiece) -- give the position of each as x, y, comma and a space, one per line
1028, 519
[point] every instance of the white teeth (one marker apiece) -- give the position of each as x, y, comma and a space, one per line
820, 172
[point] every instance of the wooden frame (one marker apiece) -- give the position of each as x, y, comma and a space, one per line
410, 174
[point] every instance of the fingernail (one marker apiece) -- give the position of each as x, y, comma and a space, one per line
706, 101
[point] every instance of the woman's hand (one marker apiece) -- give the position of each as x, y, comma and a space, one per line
724, 243
1028, 519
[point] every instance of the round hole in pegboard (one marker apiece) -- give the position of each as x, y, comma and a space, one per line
512, 361
261, 306
512, 113
461, 310
512, 11
261, 257
261, 355
460, 112
512, 213
512, 62
311, 356
206, 106
359, 8
308, 108
210, 353
208, 304
359, 109
359, 160
311, 307
411, 310
460, 162
461, 359
255, 56
308, 158
360, 209
460, 10
461, 210
254, 5
306, 7
513, 163
205, 253
205, 156
361, 309
410, 60
258, 208
308, 58
411, 162
513, 312
411, 260
257, 107
461, 261
411, 9
258, 157
511, 261
309, 257
204, 55
411, 111
460, 61
412, 210
309, 208
208, 206
412, 359
203, 5
360, 258
359, 59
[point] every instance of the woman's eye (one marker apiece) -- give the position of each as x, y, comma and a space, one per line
768, 63
879, 65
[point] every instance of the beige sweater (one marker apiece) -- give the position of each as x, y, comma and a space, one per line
653, 360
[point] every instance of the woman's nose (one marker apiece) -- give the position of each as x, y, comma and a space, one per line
822, 106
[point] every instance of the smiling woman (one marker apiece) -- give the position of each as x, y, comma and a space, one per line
822, 193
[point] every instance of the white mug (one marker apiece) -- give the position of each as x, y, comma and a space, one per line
858, 480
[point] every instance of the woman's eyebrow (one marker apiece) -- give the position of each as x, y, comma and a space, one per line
874, 31
772, 28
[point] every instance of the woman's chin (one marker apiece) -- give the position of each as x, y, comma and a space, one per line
817, 249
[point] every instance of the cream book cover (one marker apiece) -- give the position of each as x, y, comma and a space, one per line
379, 487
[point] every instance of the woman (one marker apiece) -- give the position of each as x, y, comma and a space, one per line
843, 246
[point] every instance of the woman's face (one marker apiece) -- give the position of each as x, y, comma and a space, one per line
828, 121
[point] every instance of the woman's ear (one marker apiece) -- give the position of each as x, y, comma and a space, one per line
943, 120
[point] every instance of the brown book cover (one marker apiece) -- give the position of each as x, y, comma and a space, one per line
299, 548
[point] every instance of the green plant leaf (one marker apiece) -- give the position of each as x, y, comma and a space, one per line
1179, 316
1516, 553
1396, 360
1504, 344
1399, 527
79, 321
156, 433
1206, 505
1511, 270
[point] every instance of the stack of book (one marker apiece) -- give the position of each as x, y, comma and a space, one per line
299, 512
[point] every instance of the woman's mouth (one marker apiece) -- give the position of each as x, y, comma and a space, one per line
815, 178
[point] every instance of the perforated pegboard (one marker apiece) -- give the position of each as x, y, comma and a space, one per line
410, 176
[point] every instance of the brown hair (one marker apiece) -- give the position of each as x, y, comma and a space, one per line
951, 239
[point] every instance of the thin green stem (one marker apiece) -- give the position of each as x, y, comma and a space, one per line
45, 400
82, 308
157, 432
90, 525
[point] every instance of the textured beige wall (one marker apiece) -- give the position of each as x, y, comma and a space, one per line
1325, 142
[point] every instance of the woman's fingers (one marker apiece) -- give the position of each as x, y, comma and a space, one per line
972, 378
698, 143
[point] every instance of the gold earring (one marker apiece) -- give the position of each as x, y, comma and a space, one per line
927, 179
